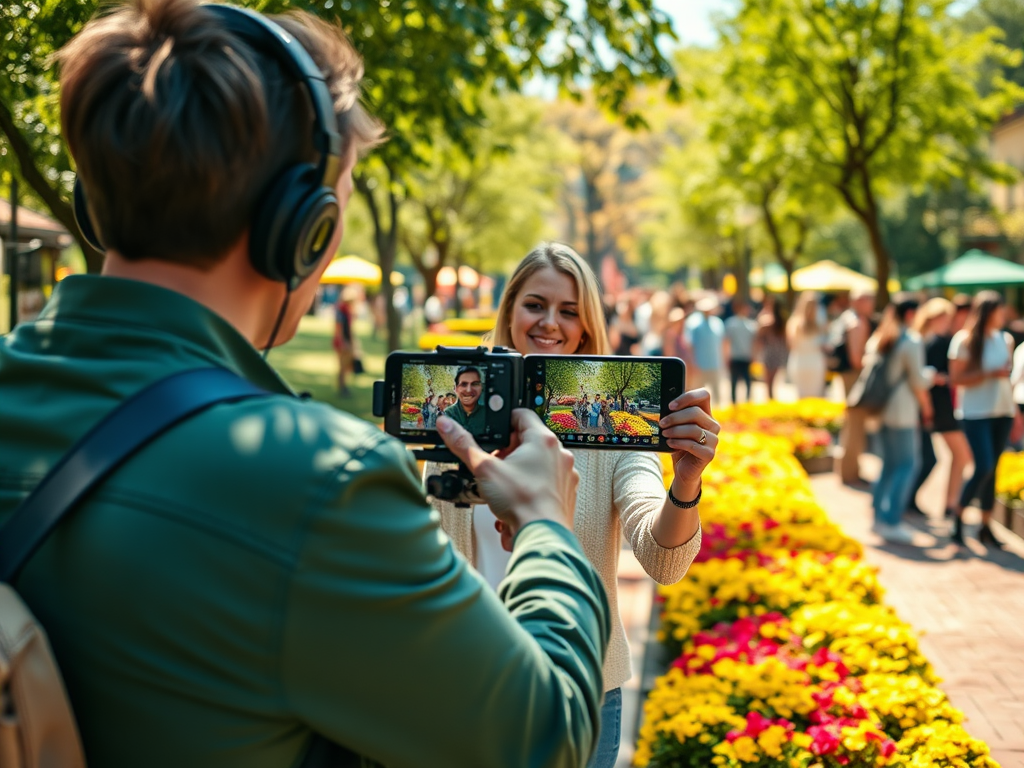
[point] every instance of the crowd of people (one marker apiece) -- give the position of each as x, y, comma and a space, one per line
954, 371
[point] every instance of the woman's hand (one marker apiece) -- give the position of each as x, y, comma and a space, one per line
690, 420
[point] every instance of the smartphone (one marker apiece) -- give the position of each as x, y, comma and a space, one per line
478, 387
604, 402
593, 402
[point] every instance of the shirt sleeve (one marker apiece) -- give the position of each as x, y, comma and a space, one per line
957, 348
639, 494
1017, 376
394, 648
913, 357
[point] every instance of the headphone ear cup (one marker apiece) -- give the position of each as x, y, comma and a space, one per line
83, 219
293, 225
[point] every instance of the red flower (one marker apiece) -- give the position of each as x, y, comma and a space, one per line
824, 742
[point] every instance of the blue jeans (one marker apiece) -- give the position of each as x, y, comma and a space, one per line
987, 438
611, 731
901, 457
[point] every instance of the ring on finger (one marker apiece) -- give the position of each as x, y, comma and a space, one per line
703, 437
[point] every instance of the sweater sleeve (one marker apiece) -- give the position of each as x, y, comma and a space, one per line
639, 494
394, 648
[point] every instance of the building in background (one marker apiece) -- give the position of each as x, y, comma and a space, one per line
40, 243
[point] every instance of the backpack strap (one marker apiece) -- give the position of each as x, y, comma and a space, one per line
119, 435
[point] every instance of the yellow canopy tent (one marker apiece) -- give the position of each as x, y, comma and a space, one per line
826, 275
352, 269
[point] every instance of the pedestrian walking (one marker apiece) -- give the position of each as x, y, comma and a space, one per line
902, 354
806, 338
933, 323
705, 334
980, 365
771, 343
848, 335
740, 333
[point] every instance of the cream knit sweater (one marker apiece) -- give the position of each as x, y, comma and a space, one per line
617, 488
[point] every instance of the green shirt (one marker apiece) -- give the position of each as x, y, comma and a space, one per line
475, 422
270, 568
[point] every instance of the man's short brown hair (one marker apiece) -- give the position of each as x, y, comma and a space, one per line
178, 127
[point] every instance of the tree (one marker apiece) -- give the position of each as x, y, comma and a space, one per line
698, 217
486, 205
1007, 16
563, 378
883, 91
31, 145
617, 377
605, 181
420, 380
766, 162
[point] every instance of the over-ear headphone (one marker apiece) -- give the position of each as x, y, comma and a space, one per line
296, 217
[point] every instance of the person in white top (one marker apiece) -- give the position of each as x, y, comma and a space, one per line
1017, 378
552, 306
979, 367
806, 336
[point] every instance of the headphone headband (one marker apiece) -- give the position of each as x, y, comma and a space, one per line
264, 35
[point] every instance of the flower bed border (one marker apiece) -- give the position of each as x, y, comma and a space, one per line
818, 465
1010, 516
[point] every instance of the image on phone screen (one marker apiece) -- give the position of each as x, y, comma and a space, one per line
456, 391
602, 403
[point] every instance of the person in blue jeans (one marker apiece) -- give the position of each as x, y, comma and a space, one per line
900, 350
980, 358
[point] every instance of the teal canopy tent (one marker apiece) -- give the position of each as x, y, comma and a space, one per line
972, 270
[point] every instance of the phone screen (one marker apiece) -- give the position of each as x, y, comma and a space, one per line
429, 391
604, 402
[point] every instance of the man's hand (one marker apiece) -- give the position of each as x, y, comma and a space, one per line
533, 480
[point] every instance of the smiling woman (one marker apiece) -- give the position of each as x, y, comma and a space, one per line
552, 306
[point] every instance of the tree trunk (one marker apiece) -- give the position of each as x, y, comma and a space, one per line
592, 205
790, 293
429, 275
386, 241
871, 219
59, 209
743, 270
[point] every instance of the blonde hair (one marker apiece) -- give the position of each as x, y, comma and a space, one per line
564, 259
805, 316
931, 311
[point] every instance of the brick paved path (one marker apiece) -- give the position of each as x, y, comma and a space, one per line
968, 607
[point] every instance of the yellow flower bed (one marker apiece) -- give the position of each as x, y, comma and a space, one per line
807, 425
784, 654
810, 412
1010, 478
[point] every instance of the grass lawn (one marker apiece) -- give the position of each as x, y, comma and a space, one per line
308, 363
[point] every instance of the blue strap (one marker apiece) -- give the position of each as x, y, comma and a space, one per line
123, 432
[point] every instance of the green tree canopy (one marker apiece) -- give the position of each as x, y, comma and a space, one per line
879, 93
614, 378
485, 206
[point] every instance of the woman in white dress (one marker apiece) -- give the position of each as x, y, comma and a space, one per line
806, 337
552, 306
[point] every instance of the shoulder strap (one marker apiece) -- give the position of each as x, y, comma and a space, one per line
125, 430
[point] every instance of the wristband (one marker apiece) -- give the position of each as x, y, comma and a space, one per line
686, 504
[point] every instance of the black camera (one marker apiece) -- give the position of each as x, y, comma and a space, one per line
595, 402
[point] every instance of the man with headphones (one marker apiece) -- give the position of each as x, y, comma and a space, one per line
264, 585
